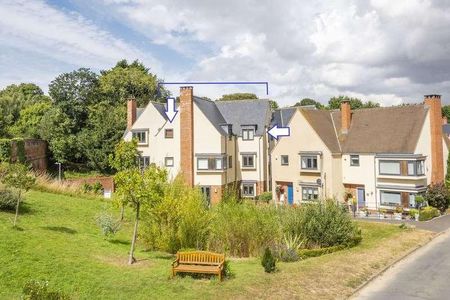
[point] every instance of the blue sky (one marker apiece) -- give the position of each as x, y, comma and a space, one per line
385, 51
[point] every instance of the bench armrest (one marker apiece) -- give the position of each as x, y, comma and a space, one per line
175, 263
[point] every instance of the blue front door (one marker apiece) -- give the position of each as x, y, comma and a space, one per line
361, 198
290, 194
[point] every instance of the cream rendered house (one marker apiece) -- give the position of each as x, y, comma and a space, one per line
383, 157
213, 144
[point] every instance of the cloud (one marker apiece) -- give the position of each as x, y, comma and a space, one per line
35, 34
383, 50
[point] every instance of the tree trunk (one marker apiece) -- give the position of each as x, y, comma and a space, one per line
122, 209
131, 258
17, 209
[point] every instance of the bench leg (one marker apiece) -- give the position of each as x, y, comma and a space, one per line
220, 276
173, 273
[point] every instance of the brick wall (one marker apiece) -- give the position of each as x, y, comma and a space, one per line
35, 153
106, 182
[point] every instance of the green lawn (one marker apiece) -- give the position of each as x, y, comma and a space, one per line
59, 241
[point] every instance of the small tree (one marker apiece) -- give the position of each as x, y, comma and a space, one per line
16, 176
438, 196
138, 189
268, 261
124, 158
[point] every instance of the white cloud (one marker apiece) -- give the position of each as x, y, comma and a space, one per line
33, 31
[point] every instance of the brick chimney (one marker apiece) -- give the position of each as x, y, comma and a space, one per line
346, 116
437, 156
131, 112
187, 133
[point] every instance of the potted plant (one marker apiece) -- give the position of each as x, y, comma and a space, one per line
414, 214
398, 212
382, 213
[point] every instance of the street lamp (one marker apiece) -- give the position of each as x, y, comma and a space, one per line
59, 170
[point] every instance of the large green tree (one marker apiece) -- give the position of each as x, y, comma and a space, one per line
13, 99
309, 101
73, 92
446, 111
126, 80
104, 128
246, 96
28, 124
355, 103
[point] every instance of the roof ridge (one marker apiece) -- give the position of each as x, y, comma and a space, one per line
390, 107
238, 100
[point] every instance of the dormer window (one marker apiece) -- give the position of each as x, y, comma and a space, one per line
248, 134
141, 136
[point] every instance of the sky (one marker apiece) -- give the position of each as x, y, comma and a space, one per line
391, 52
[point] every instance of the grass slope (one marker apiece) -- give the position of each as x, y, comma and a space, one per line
59, 241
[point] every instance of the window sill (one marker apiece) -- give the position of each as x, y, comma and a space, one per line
248, 168
142, 144
210, 171
418, 177
309, 171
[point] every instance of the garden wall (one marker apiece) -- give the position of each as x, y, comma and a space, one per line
35, 153
106, 182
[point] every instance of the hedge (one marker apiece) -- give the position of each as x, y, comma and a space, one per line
428, 213
6, 149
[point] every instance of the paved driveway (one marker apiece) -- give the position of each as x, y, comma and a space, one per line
423, 275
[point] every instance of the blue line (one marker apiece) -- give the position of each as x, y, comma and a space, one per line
219, 82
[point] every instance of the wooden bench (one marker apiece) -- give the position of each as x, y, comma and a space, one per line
198, 262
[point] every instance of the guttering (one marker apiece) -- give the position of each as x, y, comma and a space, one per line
400, 155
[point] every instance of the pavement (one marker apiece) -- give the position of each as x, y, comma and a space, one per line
424, 274
438, 224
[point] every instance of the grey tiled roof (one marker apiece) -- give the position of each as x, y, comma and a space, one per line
282, 116
246, 112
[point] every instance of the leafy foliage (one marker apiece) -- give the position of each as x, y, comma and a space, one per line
8, 199
355, 103
39, 290
238, 96
268, 261
438, 196
309, 101
428, 213
125, 154
30, 118
108, 225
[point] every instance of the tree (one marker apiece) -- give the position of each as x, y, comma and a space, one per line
27, 126
437, 195
140, 189
355, 103
371, 104
72, 92
125, 80
238, 96
16, 176
446, 111
273, 104
13, 99
104, 129
309, 101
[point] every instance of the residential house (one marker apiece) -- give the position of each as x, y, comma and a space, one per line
212, 144
383, 157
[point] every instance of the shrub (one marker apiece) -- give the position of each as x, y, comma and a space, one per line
326, 224
413, 212
87, 188
244, 229
265, 197
8, 199
290, 247
268, 261
227, 272
428, 213
179, 220
108, 225
39, 290
438, 196
97, 188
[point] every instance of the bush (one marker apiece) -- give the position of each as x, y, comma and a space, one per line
268, 261
108, 225
265, 197
8, 199
413, 212
244, 229
227, 272
438, 196
97, 188
179, 220
428, 213
289, 249
326, 224
38, 290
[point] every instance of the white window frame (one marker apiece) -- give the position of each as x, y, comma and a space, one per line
135, 135
311, 192
391, 204
203, 159
218, 161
